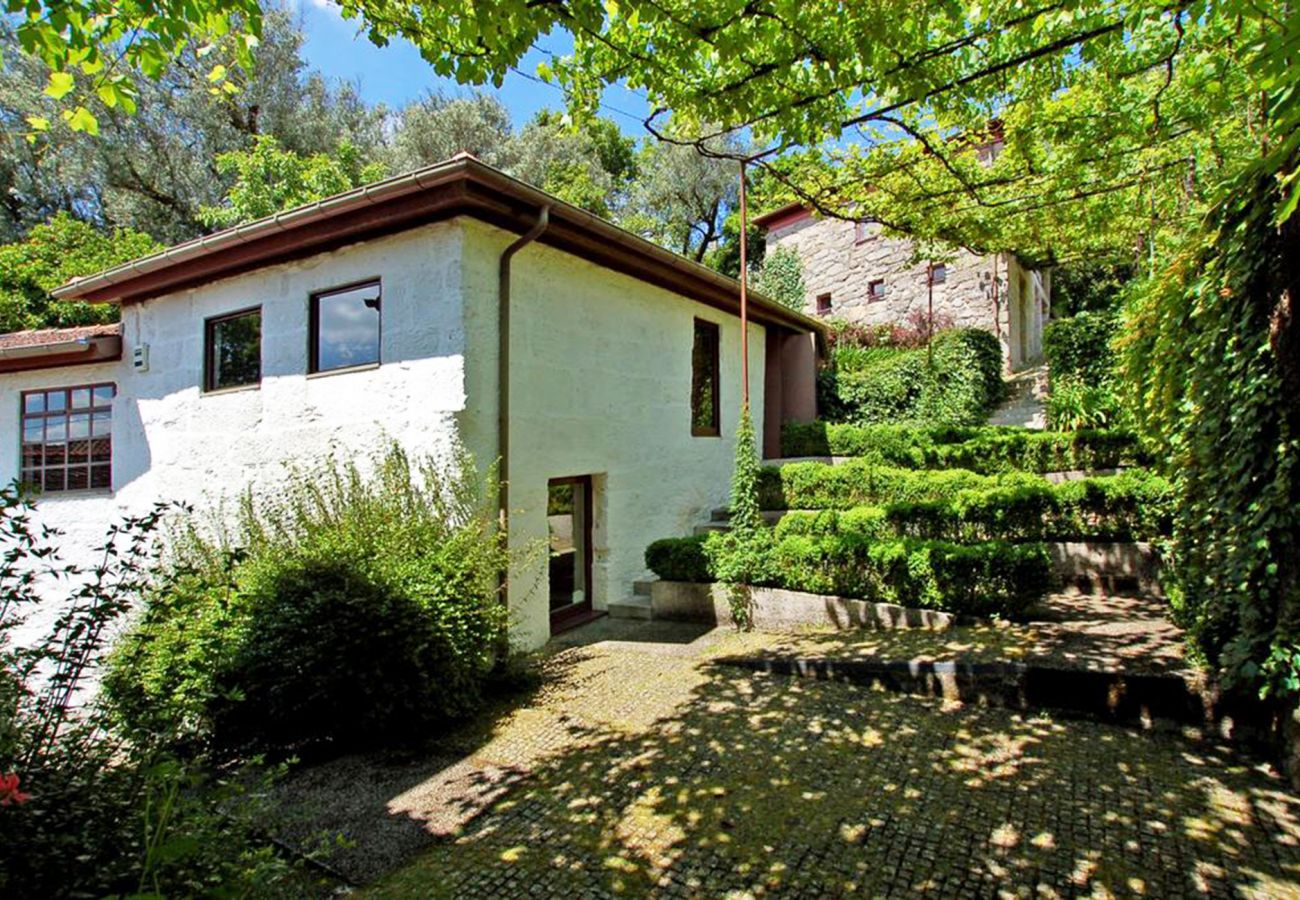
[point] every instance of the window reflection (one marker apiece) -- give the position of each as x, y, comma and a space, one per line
345, 328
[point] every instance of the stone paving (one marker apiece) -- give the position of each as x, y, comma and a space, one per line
643, 769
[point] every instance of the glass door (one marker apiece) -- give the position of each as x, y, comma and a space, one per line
568, 519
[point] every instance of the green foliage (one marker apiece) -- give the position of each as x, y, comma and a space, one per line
1211, 369
1127, 507
1076, 404
94, 814
985, 449
988, 579
781, 278
51, 255
679, 559
269, 180
745, 515
957, 385
1086, 286
1080, 347
345, 609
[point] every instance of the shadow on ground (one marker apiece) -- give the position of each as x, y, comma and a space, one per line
655, 775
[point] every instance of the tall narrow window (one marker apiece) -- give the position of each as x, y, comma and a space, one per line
345, 327
704, 381
233, 350
68, 438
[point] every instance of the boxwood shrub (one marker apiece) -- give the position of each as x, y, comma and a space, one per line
1129, 506
814, 485
679, 559
992, 578
987, 449
342, 610
877, 385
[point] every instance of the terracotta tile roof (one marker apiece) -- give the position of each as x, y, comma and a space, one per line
56, 335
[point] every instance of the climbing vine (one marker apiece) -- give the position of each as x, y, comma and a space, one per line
1211, 367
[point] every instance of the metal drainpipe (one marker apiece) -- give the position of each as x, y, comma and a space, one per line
503, 370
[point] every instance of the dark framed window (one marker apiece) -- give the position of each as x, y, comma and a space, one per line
345, 327
705, 361
876, 289
862, 231
823, 304
938, 273
232, 350
68, 438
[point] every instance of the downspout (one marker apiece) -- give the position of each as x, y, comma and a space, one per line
503, 372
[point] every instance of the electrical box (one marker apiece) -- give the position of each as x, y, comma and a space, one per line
140, 358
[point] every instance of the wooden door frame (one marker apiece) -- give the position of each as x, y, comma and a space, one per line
577, 613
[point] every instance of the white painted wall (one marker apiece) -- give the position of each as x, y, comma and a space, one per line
601, 369
172, 442
601, 374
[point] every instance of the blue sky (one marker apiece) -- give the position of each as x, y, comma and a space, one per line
396, 74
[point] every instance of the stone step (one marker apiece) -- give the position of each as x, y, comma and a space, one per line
642, 587
722, 515
634, 607
710, 527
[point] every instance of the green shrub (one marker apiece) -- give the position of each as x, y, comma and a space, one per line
781, 278
346, 609
1076, 404
679, 559
885, 384
987, 449
1129, 506
814, 485
993, 578
1079, 347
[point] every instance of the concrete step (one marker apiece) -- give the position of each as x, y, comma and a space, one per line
642, 588
634, 607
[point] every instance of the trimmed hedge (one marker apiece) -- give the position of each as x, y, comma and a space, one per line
679, 559
878, 385
993, 578
1130, 506
862, 482
1134, 501
987, 449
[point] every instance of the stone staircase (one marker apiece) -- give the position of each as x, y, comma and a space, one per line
636, 606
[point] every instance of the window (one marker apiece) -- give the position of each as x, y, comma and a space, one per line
876, 289
862, 231
233, 350
704, 381
823, 304
68, 438
345, 328
938, 273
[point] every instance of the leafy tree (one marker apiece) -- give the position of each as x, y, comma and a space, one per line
53, 253
590, 166
681, 198
437, 127
153, 169
269, 180
1086, 286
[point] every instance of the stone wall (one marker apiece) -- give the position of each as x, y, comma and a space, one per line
841, 260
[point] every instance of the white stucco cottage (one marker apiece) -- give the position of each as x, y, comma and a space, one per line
452, 301
853, 272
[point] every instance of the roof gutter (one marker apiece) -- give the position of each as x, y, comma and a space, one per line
56, 348
503, 373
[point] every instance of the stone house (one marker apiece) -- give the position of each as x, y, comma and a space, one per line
450, 303
853, 272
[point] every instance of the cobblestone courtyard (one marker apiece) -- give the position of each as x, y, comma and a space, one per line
641, 768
